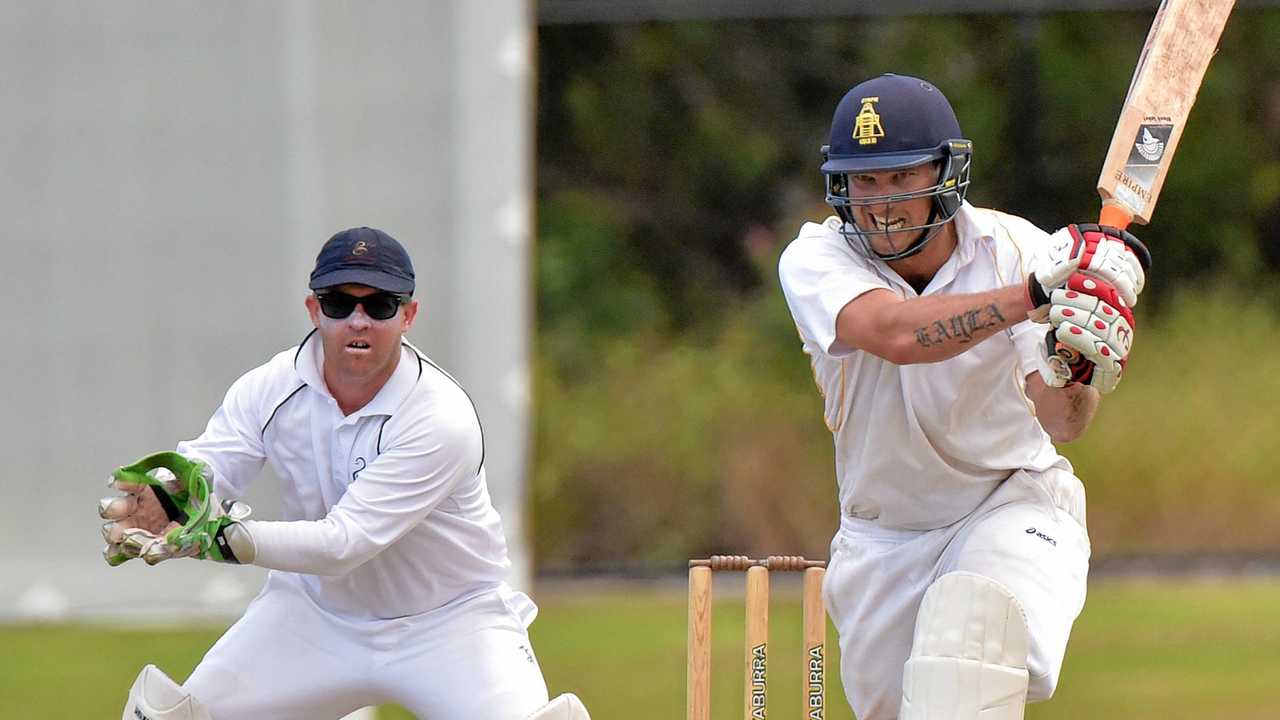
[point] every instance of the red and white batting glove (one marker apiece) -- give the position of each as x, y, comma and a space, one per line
1092, 334
1105, 253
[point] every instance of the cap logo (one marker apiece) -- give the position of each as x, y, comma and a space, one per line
866, 126
360, 248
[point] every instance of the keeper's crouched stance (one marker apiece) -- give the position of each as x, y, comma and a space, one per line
953, 346
387, 580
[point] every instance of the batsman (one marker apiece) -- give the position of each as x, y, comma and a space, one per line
953, 347
388, 571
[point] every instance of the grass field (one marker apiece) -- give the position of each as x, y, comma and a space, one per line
1167, 649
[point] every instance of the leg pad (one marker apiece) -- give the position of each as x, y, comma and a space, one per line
564, 707
154, 696
969, 654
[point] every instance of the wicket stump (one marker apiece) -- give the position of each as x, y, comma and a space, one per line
757, 632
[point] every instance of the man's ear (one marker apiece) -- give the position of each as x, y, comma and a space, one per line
313, 309
410, 314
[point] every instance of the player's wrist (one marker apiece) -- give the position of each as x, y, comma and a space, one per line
232, 543
1035, 294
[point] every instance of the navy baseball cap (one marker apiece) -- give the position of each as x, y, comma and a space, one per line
890, 122
364, 256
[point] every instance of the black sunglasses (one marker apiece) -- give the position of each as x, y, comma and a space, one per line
379, 305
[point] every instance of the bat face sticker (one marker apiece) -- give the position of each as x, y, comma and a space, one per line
1137, 179
1149, 146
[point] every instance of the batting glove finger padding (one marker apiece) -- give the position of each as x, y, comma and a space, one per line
1115, 256
1065, 366
1088, 317
1136, 246
1105, 253
1092, 334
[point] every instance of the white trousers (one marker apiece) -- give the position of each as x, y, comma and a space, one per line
289, 658
1029, 536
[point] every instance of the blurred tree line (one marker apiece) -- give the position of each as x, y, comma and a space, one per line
675, 411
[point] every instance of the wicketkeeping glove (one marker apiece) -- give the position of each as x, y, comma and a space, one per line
190, 521
1099, 251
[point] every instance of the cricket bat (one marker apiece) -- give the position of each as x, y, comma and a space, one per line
1182, 40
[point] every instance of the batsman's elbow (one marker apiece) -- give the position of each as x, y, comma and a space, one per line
899, 349
343, 560
885, 342
905, 349
1064, 413
1060, 434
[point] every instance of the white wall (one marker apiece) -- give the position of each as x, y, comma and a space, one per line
169, 171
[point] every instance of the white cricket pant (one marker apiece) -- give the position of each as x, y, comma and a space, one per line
1028, 535
288, 659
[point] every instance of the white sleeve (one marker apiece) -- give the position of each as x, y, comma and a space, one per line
1028, 337
232, 441
818, 281
1029, 340
419, 469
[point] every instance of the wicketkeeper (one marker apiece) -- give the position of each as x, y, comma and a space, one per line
387, 580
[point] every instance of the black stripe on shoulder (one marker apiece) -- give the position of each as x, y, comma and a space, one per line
300, 346
282, 402
424, 359
381, 427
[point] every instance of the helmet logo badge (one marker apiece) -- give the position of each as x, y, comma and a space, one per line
866, 126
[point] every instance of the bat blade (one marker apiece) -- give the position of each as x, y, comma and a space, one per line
1182, 40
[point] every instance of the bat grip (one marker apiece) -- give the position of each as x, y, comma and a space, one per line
1115, 216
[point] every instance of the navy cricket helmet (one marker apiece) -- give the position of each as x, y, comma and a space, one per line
896, 122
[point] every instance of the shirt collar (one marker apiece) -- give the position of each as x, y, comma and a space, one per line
971, 228
310, 359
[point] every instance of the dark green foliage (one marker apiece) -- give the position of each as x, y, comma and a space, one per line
689, 134
675, 412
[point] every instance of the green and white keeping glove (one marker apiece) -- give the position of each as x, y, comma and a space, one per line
169, 510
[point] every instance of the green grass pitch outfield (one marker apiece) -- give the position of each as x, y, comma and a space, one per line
1165, 649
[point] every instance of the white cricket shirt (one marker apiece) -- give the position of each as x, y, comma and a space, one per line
386, 511
920, 446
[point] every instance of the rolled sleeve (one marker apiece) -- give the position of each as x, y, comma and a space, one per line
1029, 340
818, 280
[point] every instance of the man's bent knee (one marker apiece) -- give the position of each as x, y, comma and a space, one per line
969, 654
154, 696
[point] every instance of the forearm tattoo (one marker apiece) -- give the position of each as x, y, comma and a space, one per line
1075, 403
959, 328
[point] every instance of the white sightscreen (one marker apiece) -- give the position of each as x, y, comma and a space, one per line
170, 171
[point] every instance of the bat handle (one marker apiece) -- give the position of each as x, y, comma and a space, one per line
1115, 216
